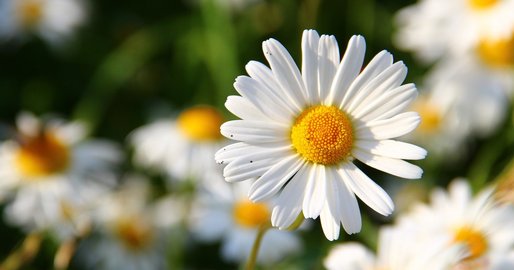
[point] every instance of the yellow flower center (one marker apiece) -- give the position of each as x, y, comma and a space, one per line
30, 12
482, 4
323, 135
431, 117
251, 215
201, 123
474, 239
42, 155
497, 53
133, 233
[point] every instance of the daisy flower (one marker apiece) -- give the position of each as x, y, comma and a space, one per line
182, 147
460, 102
53, 20
130, 236
433, 28
233, 219
301, 132
398, 249
50, 175
481, 224
494, 58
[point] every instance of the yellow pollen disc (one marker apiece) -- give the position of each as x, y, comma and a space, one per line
482, 4
323, 135
497, 53
133, 233
431, 117
42, 155
30, 12
201, 123
251, 215
475, 241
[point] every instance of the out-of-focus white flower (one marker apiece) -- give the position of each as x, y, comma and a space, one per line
462, 101
183, 147
51, 176
130, 233
233, 219
398, 249
481, 224
300, 132
494, 58
433, 28
53, 20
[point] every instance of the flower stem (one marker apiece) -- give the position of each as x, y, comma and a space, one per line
250, 264
24, 254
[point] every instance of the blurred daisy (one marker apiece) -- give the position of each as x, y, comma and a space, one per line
301, 131
479, 223
494, 58
433, 28
182, 147
50, 173
461, 102
53, 20
130, 236
233, 219
398, 249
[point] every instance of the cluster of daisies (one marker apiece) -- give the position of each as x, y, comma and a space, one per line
470, 45
299, 147
454, 230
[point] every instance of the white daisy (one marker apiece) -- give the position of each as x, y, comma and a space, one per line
130, 236
493, 58
461, 102
433, 28
181, 147
53, 20
233, 219
479, 223
51, 175
301, 131
398, 249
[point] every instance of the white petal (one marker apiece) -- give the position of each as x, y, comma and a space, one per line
315, 191
253, 163
393, 127
348, 69
392, 149
274, 179
387, 105
243, 108
256, 94
28, 124
342, 203
329, 224
310, 40
390, 78
264, 75
241, 149
240, 170
253, 131
378, 64
289, 202
392, 166
366, 189
285, 70
231, 151
328, 61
